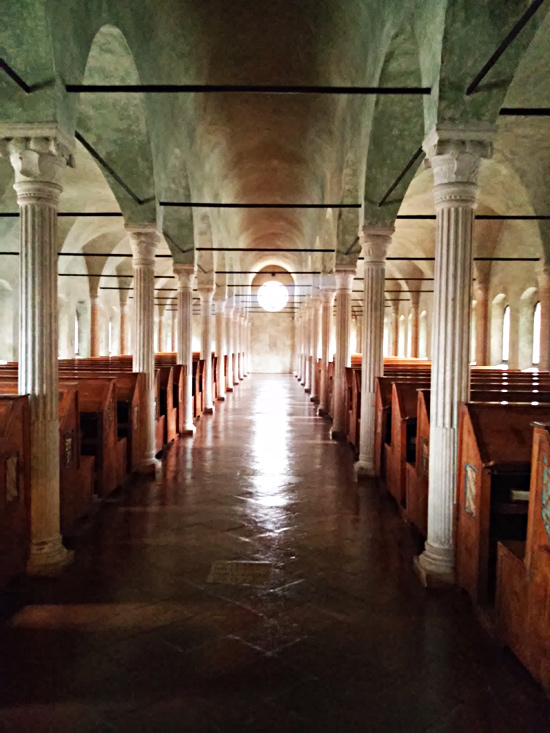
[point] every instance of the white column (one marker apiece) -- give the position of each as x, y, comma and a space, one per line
229, 342
206, 293
160, 312
316, 307
344, 281
306, 378
455, 156
220, 346
544, 299
185, 275
301, 315
39, 155
236, 346
376, 241
144, 240
327, 296
173, 329
124, 332
242, 346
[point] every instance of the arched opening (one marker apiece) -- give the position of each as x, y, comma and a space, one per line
272, 331
402, 336
423, 335
505, 353
536, 335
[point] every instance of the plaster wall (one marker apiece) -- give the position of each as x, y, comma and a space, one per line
272, 342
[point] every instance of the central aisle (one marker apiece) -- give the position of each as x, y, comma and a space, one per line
342, 638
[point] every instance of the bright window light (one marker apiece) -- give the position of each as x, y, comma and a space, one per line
506, 334
536, 335
110, 336
76, 336
272, 296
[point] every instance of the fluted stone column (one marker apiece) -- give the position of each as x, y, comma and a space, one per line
455, 156
242, 371
482, 323
316, 307
327, 298
394, 329
185, 275
415, 300
376, 241
144, 241
248, 345
344, 281
206, 293
308, 342
229, 341
235, 344
124, 328
298, 339
544, 299
160, 336
39, 155
220, 347
95, 334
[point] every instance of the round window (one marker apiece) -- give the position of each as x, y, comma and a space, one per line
272, 296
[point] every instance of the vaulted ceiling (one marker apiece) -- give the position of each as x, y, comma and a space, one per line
138, 151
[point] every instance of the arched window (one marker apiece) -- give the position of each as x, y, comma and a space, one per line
402, 337
110, 336
76, 335
423, 336
536, 335
386, 342
506, 335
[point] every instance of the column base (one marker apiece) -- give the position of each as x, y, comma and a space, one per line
149, 467
228, 389
363, 469
307, 390
235, 383
314, 398
434, 568
336, 434
189, 430
208, 411
322, 412
221, 398
48, 558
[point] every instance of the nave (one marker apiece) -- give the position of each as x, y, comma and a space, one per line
132, 636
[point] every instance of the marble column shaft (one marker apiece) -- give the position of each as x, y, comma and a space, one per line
415, 300
327, 297
376, 241
344, 281
394, 329
144, 241
95, 333
185, 275
39, 155
220, 347
206, 293
455, 158
124, 328
482, 323
316, 307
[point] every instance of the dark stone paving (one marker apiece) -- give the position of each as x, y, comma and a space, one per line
133, 638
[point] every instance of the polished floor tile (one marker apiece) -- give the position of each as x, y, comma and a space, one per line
332, 633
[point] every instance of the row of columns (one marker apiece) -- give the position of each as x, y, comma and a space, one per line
455, 157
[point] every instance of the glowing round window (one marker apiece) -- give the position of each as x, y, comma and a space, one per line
272, 296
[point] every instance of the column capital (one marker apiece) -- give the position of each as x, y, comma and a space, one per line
344, 277
206, 292
327, 295
184, 275
375, 242
455, 152
38, 153
219, 304
144, 239
415, 300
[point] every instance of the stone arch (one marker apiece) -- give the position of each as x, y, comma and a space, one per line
525, 335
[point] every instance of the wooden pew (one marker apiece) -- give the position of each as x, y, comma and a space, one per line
98, 427
493, 468
416, 484
15, 490
404, 401
523, 573
166, 403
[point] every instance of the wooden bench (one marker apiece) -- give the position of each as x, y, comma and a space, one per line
167, 407
523, 573
493, 469
402, 448
416, 483
15, 488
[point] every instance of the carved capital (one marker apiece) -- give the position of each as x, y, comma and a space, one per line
143, 241
375, 242
184, 275
38, 154
344, 278
327, 296
455, 155
219, 304
206, 292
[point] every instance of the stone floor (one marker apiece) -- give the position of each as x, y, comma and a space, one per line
133, 637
